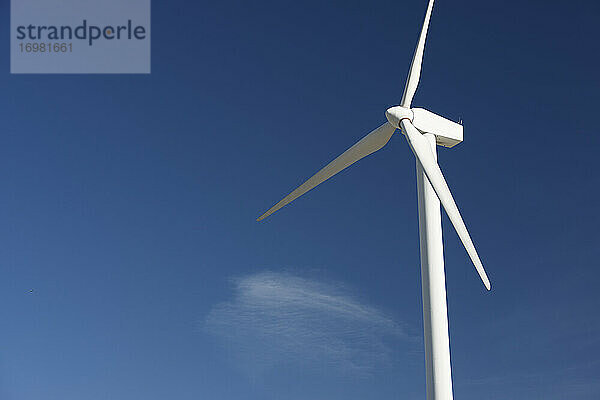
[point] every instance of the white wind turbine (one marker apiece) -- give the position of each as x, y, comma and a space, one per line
423, 130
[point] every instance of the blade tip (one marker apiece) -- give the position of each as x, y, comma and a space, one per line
262, 217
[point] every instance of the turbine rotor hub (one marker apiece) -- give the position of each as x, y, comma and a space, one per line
396, 114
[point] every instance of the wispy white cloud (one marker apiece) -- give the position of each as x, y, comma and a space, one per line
281, 319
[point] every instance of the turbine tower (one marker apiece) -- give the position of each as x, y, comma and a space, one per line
423, 131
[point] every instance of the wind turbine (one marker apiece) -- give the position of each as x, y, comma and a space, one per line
423, 131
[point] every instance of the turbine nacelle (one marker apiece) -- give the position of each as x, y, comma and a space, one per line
397, 113
447, 133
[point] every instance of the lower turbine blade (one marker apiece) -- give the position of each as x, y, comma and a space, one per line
367, 145
419, 145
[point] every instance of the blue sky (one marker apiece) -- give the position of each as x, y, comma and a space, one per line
128, 206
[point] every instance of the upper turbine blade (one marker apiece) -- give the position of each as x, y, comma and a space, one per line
367, 145
420, 146
415, 68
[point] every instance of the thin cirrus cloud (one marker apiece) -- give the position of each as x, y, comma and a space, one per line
279, 319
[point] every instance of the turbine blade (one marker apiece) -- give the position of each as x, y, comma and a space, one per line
419, 145
367, 145
415, 68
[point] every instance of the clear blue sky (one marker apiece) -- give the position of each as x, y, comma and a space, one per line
128, 206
